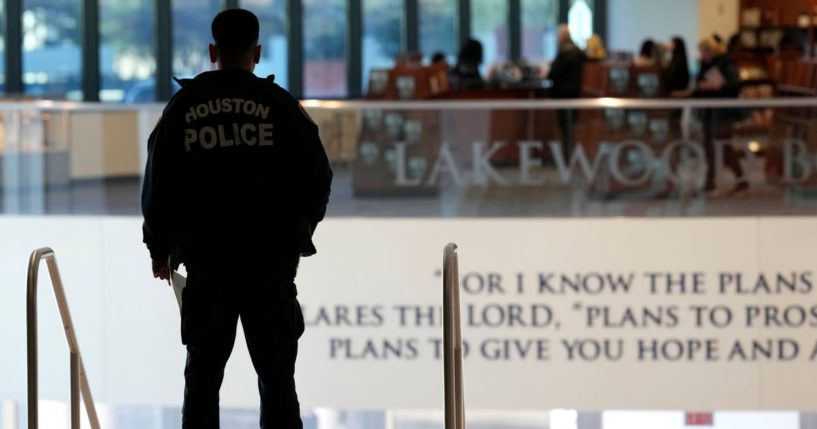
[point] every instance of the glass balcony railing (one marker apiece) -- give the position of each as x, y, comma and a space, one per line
601, 157
509, 172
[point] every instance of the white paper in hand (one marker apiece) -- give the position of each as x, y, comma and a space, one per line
178, 282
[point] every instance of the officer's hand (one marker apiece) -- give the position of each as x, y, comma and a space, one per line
161, 270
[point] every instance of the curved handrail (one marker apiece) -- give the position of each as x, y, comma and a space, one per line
79, 379
452, 340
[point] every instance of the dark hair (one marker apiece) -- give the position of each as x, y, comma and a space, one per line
789, 43
734, 44
438, 57
235, 33
471, 53
679, 50
678, 78
647, 49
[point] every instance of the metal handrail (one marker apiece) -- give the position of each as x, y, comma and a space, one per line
79, 380
444, 105
563, 104
452, 339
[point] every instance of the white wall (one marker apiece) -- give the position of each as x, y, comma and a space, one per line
128, 323
718, 16
632, 21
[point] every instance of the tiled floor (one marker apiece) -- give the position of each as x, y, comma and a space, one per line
146, 417
54, 415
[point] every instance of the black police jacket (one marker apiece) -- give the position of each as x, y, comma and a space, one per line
235, 170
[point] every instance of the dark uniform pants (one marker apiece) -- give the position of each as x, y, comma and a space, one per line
216, 296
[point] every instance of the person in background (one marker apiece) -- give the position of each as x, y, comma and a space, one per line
661, 55
438, 58
678, 73
719, 78
735, 45
465, 74
789, 43
646, 56
566, 76
677, 80
595, 48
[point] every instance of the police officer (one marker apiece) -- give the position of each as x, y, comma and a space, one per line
236, 182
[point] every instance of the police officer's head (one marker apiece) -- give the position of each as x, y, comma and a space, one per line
235, 40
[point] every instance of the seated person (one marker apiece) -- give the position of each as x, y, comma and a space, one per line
647, 56
439, 59
465, 74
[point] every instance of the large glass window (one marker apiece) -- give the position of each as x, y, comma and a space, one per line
272, 15
2, 49
438, 28
580, 21
127, 61
489, 25
325, 48
539, 25
191, 35
383, 30
52, 59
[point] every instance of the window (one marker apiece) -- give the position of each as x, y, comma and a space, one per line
383, 23
127, 61
438, 28
324, 69
272, 15
2, 48
191, 35
539, 27
52, 59
580, 21
489, 25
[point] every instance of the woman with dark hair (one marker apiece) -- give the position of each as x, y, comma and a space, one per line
646, 56
678, 73
465, 74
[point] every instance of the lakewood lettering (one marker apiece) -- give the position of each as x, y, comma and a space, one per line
630, 163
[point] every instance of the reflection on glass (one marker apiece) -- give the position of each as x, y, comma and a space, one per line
647, 160
489, 25
272, 15
325, 48
382, 34
2, 49
191, 35
580, 21
52, 58
126, 59
539, 23
438, 26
